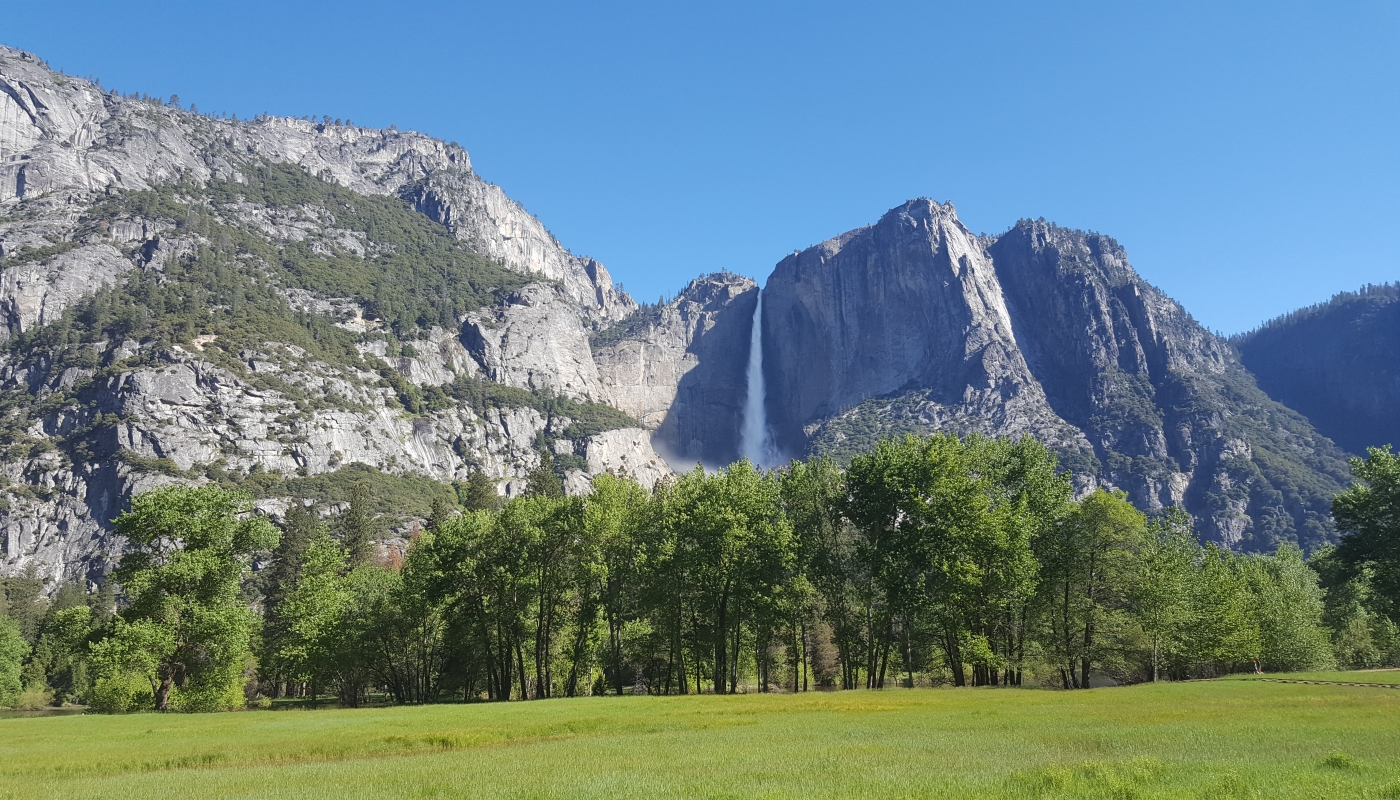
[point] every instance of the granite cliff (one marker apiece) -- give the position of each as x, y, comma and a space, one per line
292, 306
280, 304
914, 324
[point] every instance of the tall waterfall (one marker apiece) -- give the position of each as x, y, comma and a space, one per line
755, 440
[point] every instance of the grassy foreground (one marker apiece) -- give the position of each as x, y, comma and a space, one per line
1221, 739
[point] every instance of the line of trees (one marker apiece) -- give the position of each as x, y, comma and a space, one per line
926, 561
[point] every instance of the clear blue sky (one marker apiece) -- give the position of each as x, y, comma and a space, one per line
1247, 156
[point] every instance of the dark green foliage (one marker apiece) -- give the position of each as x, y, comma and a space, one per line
543, 481
1368, 515
478, 493
624, 328
13, 650
356, 526
393, 498
24, 602
1336, 362
586, 418
300, 527
33, 255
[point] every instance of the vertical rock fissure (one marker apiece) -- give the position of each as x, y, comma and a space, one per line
755, 440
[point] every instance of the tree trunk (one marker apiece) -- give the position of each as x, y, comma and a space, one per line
162, 690
520, 668
721, 634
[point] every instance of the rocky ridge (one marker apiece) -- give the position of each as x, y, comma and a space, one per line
913, 325
284, 303
87, 206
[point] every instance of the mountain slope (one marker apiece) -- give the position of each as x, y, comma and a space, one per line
1338, 363
276, 304
913, 324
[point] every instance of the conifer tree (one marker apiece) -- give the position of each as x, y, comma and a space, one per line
542, 481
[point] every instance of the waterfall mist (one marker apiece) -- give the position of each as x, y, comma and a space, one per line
755, 440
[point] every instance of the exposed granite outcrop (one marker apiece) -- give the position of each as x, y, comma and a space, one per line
151, 412
534, 340
913, 325
64, 141
680, 369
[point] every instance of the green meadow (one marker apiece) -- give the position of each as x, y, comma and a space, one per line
1207, 739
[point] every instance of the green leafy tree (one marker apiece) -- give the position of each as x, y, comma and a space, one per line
1086, 568
478, 493
1161, 585
324, 640
301, 526
184, 624
1222, 633
13, 650
1363, 635
1287, 606
1368, 517
607, 565
730, 545
827, 556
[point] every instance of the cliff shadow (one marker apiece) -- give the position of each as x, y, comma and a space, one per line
704, 421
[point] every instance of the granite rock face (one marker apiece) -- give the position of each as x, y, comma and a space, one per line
681, 370
911, 304
63, 140
910, 325
913, 325
534, 340
139, 413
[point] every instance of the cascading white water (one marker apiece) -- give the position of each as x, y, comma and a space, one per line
755, 440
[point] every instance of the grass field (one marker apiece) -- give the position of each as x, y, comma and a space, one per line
1381, 676
1213, 739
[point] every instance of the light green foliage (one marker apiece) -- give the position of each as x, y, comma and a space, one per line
725, 547
13, 650
1287, 607
189, 549
607, 569
321, 639
947, 526
926, 559
1087, 565
1160, 588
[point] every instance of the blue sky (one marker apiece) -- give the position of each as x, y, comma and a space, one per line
1247, 155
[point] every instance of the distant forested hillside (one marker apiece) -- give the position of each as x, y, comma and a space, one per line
1337, 363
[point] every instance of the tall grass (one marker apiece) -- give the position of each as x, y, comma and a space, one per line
1209, 739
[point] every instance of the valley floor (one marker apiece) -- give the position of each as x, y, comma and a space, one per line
1217, 739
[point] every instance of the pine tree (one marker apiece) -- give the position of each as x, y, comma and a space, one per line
479, 493
442, 512
355, 527
542, 482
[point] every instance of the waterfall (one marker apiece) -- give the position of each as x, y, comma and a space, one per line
755, 440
